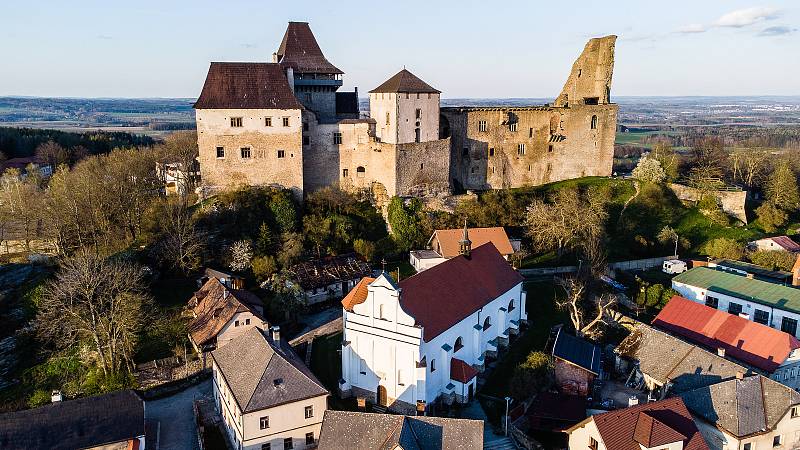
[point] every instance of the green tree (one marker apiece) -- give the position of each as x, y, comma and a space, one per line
405, 223
532, 375
774, 259
782, 189
771, 217
725, 248
364, 248
291, 249
265, 243
667, 158
264, 267
284, 210
669, 235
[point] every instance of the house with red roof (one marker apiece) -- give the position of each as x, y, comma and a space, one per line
407, 344
759, 346
779, 243
444, 244
666, 424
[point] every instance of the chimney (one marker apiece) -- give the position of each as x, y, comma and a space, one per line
276, 334
465, 245
796, 272
740, 375
274, 57
290, 78
56, 396
721, 352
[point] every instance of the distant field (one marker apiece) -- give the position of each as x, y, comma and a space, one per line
636, 137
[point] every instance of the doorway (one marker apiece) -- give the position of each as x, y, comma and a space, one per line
382, 396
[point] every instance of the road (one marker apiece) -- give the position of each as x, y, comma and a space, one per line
174, 413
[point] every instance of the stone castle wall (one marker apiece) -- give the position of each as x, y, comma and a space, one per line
423, 168
732, 202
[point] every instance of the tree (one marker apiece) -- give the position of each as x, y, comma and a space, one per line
264, 267
586, 318
724, 248
669, 160
265, 244
748, 165
771, 217
405, 222
364, 248
532, 375
774, 259
782, 189
291, 249
53, 154
668, 234
178, 242
97, 301
287, 296
240, 255
649, 170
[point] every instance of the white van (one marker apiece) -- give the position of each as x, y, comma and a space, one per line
673, 266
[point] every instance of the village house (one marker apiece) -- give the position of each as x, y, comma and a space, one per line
665, 424
389, 431
26, 164
232, 281
267, 397
177, 178
221, 313
748, 413
760, 301
406, 345
329, 278
770, 351
779, 243
444, 244
664, 364
113, 421
576, 364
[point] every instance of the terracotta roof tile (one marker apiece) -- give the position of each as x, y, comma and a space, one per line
752, 343
358, 294
213, 309
448, 240
300, 51
234, 85
405, 81
651, 432
461, 371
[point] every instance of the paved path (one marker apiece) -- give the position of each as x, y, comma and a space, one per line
475, 411
174, 413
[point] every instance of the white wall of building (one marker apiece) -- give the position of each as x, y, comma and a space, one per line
396, 116
579, 438
238, 324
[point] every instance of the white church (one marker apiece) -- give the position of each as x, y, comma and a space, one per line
407, 344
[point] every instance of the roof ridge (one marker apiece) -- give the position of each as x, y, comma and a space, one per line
400, 423
763, 402
266, 366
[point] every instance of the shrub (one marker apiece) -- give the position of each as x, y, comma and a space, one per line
263, 267
774, 259
724, 248
364, 248
40, 397
771, 217
532, 375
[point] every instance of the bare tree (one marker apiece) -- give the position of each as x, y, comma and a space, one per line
180, 243
586, 316
53, 154
97, 301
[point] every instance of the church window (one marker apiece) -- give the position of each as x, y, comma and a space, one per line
459, 344
521, 149
433, 365
594, 122
345, 173
482, 125
387, 118
220, 152
401, 378
236, 122
337, 138
267, 121
491, 152
487, 323
511, 305
245, 152
513, 126
286, 121
281, 153
360, 171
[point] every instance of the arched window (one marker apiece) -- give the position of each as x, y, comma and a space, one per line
487, 323
459, 344
594, 122
360, 171
511, 305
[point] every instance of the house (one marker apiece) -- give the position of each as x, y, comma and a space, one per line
445, 244
780, 243
747, 413
230, 280
220, 313
752, 270
267, 397
766, 349
113, 421
663, 363
328, 278
24, 163
577, 363
766, 303
178, 179
665, 424
426, 338
388, 431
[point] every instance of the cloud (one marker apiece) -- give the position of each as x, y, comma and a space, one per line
747, 17
693, 28
777, 31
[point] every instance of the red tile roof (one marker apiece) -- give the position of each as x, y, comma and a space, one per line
246, 86
461, 371
405, 81
651, 432
214, 305
357, 295
448, 240
618, 429
447, 293
749, 342
300, 51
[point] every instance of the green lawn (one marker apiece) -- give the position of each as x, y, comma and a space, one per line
406, 269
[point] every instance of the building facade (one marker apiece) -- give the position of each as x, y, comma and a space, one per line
426, 338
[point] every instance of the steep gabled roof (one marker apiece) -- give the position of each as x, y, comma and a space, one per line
235, 85
784, 242
216, 305
752, 343
449, 240
445, 294
461, 371
743, 406
263, 373
651, 432
405, 82
300, 51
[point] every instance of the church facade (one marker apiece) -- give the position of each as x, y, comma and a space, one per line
408, 344
286, 123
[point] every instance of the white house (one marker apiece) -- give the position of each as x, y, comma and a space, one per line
766, 303
267, 398
407, 344
779, 243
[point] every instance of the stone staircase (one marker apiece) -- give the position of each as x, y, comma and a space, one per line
505, 443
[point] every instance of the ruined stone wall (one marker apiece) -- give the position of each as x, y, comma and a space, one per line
264, 167
589, 80
379, 163
559, 144
423, 168
732, 202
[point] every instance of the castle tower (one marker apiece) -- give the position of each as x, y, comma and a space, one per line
589, 82
314, 79
406, 109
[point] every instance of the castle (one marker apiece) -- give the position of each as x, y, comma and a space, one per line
285, 123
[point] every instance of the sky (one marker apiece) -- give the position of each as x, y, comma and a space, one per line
467, 49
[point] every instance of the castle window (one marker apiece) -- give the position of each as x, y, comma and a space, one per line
594, 122
482, 125
220, 152
492, 170
459, 344
472, 170
306, 140
286, 121
549, 149
487, 323
337, 138
360, 171
345, 173
387, 118
421, 166
579, 72
281, 153
245, 152
236, 122
513, 126
433, 365
521, 149
305, 124
491, 152
591, 100
416, 134
267, 121
530, 133
418, 113
529, 167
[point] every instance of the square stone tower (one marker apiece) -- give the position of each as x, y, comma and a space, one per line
405, 109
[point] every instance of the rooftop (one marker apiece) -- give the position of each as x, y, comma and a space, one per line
240, 85
448, 240
577, 351
405, 82
263, 373
785, 242
750, 342
758, 271
300, 51
358, 294
739, 286
326, 271
216, 305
